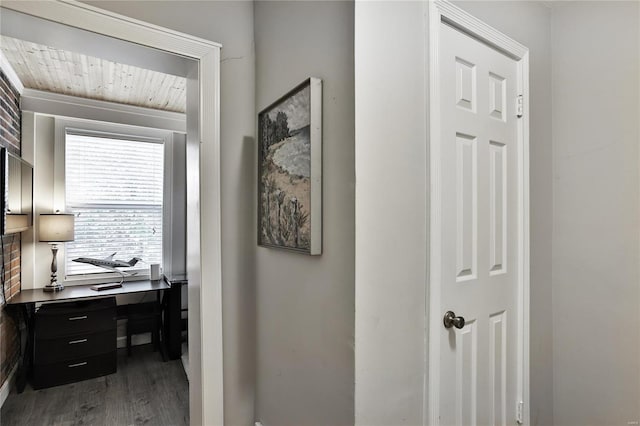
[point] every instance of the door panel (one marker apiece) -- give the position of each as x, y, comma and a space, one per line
479, 156
467, 373
467, 211
497, 207
498, 366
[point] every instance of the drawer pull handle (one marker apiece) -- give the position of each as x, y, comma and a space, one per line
73, 342
78, 318
80, 364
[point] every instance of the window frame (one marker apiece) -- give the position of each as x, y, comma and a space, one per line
114, 131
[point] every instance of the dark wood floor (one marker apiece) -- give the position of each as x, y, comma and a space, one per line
144, 391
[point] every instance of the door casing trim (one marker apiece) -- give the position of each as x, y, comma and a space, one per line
440, 11
204, 261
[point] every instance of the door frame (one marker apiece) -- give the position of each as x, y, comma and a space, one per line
442, 11
203, 171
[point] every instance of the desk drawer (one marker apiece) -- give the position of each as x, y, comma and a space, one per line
66, 319
72, 347
46, 375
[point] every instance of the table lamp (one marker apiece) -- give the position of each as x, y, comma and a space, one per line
16, 223
54, 229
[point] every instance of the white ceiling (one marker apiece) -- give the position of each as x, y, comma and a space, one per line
54, 70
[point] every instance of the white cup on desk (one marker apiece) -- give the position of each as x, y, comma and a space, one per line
154, 272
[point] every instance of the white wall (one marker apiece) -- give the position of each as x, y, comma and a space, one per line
42, 195
229, 23
391, 197
174, 253
596, 77
305, 303
391, 253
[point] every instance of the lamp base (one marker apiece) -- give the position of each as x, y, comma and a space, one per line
53, 284
51, 288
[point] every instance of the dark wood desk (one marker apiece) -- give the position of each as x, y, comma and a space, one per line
79, 292
23, 306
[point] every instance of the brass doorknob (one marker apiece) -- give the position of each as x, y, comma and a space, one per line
451, 320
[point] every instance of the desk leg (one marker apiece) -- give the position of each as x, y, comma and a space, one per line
26, 348
172, 329
163, 318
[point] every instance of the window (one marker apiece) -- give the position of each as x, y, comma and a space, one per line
114, 186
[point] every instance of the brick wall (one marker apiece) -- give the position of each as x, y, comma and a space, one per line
10, 122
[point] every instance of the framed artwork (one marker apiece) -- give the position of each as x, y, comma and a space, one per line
290, 170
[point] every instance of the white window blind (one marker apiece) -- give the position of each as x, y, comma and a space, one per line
114, 187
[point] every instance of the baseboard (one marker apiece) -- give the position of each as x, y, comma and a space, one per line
8, 384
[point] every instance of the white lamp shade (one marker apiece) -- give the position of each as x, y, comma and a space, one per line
16, 223
56, 228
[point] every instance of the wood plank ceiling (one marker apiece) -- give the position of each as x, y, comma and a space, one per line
59, 71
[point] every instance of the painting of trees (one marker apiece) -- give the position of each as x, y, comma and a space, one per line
284, 198
274, 131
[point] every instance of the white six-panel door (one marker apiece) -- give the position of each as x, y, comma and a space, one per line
479, 152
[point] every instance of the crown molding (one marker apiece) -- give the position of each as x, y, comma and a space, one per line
60, 105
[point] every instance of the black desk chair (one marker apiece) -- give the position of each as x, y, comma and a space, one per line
143, 318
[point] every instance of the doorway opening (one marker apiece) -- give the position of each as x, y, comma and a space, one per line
479, 222
203, 254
